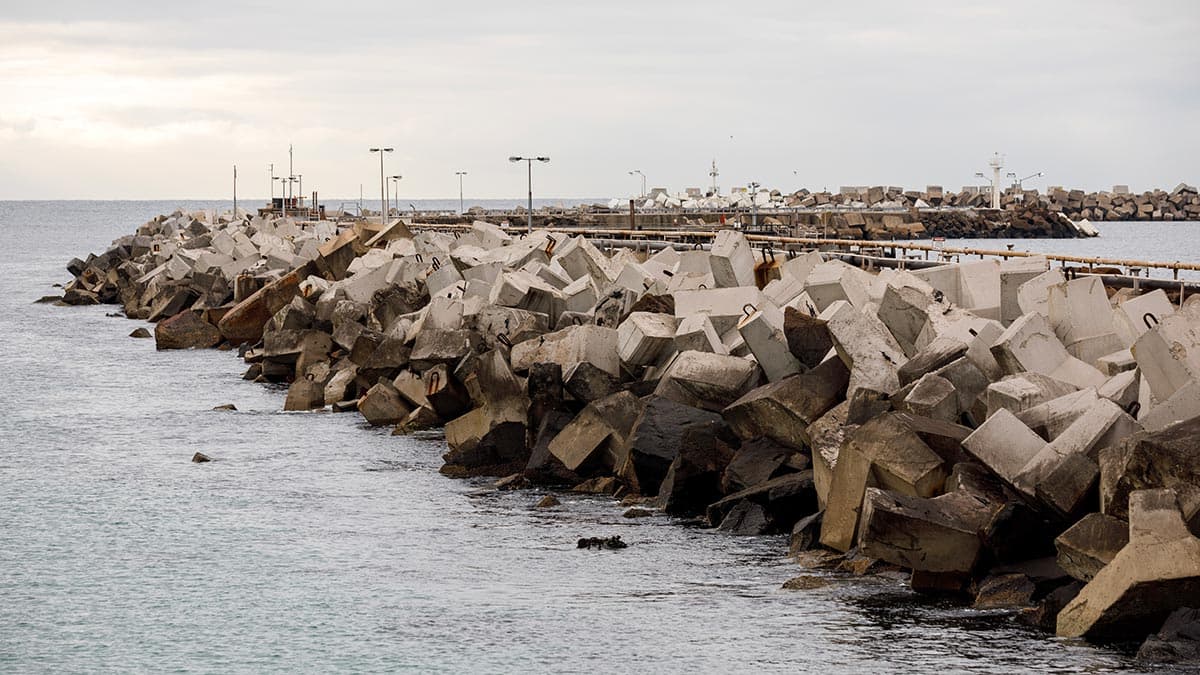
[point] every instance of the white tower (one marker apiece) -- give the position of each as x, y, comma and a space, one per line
997, 163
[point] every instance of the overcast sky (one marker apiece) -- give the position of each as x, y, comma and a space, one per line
115, 100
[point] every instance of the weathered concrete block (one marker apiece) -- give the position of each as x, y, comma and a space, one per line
1029, 344
835, 281
595, 440
1034, 295
1169, 355
808, 337
937, 354
656, 440
1156, 572
596, 345
932, 396
783, 410
826, 436
732, 260
931, 535
696, 333
1130, 319
383, 405
1152, 459
762, 330
867, 349
305, 393
883, 452
186, 330
1016, 393
1053, 417
707, 381
723, 306
643, 337
489, 440
1014, 273
1079, 309
1004, 445
1090, 544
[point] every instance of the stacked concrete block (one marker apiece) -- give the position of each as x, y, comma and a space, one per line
948, 421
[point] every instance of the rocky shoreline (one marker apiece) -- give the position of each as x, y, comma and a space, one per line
1001, 433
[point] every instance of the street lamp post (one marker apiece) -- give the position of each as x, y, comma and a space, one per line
396, 183
282, 192
382, 184
291, 189
529, 165
460, 175
300, 186
271, 170
753, 205
639, 172
991, 183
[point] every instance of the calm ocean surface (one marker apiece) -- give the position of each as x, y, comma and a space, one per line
317, 544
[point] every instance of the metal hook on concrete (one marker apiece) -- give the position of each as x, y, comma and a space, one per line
436, 264
435, 379
748, 309
1149, 317
420, 258
1133, 408
550, 245
502, 338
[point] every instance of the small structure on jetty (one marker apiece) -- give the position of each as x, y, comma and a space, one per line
1006, 430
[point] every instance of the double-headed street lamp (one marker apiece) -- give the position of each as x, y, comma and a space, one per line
639, 172
460, 175
1020, 181
382, 184
529, 165
396, 184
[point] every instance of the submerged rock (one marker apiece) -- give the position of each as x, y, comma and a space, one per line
612, 543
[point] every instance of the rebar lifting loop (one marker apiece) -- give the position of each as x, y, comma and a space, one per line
1149, 317
748, 309
502, 338
435, 379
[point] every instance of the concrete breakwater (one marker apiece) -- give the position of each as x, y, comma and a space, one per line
1000, 431
1032, 222
1180, 203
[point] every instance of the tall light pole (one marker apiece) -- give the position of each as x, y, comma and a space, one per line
753, 205
291, 182
460, 175
382, 184
271, 171
282, 192
396, 182
980, 174
529, 165
300, 178
235, 191
639, 172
